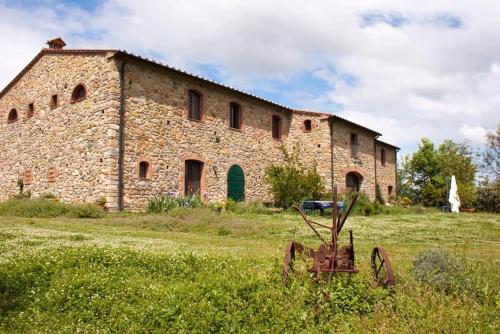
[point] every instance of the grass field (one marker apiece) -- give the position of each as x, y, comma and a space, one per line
197, 271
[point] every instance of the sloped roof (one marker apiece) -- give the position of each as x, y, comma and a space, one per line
49, 51
339, 118
126, 54
387, 144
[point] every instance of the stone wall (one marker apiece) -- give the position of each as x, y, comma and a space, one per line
71, 141
386, 173
363, 165
158, 130
315, 145
77, 142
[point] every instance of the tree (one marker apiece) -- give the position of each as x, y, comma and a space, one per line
419, 170
425, 175
292, 181
487, 194
491, 155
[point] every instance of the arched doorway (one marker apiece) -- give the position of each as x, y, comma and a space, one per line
192, 177
353, 181
236, 183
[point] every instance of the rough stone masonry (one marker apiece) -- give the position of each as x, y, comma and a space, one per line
90, 124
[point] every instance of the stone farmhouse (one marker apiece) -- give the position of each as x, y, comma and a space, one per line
87, 124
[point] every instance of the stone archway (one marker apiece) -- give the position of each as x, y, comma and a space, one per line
353, 181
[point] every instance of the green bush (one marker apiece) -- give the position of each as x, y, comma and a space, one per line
166, 203
378, 195
230, 205
487, 196
440, 269
84, 211
292, 182
44, 208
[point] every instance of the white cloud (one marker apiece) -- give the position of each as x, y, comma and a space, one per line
422, 78
475, 134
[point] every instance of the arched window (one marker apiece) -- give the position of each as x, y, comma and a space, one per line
144, 170
389, 190
12, 116
234, 115
194, 105
353, 181
307, 125
276, 127
382, 156
79, 93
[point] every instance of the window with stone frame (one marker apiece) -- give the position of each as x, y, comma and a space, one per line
27, 177
307, 125
144, 170
12, 117
276, 127
354, 145
31, 110
382, 157
54, 101
51, 174
235, 116
195, 105
79, 93
389, 190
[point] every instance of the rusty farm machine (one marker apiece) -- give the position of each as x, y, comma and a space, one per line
329, 258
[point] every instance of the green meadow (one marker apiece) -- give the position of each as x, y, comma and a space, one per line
197, 271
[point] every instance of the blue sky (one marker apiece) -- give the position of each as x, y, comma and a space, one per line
405, 70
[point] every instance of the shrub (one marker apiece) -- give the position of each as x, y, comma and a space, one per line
487, 196
166, 203
467, 195
230, 205
83, 211
44, 208
378, 195
440, 269
405, 201
363, 206
292, 182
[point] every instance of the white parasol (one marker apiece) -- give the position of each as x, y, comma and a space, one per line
453, 196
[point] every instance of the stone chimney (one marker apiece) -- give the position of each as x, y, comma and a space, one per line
56, 43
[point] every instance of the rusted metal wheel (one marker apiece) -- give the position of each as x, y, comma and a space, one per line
382, 269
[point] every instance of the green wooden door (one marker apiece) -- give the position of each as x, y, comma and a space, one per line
236, 183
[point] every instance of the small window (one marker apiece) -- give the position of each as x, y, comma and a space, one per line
27, 177
234, 115
276, 127
51, 174
31, 110
307, 125
54, 101
194, 106
354, 145
79, 93
12, 116
382, 156
389, 190
144, 170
